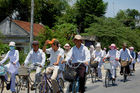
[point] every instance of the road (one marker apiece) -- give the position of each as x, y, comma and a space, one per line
131, 86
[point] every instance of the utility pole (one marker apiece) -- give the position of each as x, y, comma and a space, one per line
32, 23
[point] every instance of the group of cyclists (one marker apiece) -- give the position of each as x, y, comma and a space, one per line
78, 54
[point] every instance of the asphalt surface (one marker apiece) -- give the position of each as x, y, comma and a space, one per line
131, 86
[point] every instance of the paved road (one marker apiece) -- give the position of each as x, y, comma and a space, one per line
131, 86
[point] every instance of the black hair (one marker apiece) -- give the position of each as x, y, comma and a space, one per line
56, 42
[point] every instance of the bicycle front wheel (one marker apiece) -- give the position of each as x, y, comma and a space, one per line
107, 79
1, 85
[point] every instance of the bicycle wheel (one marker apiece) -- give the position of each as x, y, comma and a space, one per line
124, 75
107, 79
18, 85
42, 87
1, 84
61, 82
92, 75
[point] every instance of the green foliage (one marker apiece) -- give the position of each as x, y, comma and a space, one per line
128, 17
3, 48
22, 57
64, 33
86, 9
45, 11
110, 30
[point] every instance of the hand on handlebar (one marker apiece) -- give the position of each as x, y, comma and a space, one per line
86, 63
116, 59
14, 63
56, 63
63, 61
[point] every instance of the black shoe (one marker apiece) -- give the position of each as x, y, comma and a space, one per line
121, 74
70, 87
33, 87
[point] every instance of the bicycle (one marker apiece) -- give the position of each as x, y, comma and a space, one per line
75, 82
124, 64
47, 86
24, 79
93, 71
2, 78
108, 75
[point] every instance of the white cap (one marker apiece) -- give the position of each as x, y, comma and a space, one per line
12, 43
67, 45
131, 48
78, 37
98, 45
91, 46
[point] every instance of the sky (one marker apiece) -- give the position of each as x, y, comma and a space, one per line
115, 5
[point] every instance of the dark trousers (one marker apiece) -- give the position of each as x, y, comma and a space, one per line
81, 73
127, 69
134, 66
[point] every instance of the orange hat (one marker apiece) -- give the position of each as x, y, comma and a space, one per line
52, 41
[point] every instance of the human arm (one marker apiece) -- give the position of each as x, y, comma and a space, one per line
43, 59
27, 60
5, 58
44, 47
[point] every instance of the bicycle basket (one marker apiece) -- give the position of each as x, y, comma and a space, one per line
93, 64
124, 63
23, 71
2, 71
107, 65
70, 74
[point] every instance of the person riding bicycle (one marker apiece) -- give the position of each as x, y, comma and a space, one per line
12, 65
125, 55
138, 57
36, 55
56, 56
133, 54
113, 55
67, 48
79, 54
97, 56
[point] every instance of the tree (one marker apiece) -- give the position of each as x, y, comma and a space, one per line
128, 17
64, 33
86, 10
110, 30
46, 11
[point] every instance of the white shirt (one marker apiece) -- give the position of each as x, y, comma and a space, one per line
125, 54
13, 55
36, 57
81, 54
55, 54
97, 55
113, 54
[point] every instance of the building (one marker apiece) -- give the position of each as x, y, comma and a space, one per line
19, 32
90, 40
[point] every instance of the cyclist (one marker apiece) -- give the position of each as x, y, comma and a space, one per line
97, 56
36, 55
12, 65
133, 54
56, 56
138, 58
79, 54
91, 49
125, 55
67, 48
113, 55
